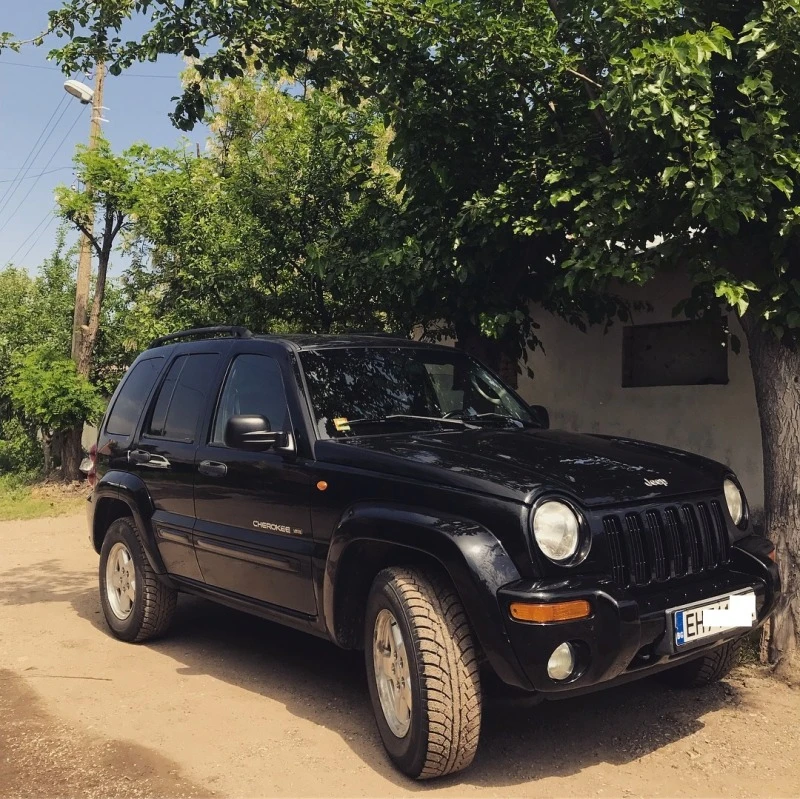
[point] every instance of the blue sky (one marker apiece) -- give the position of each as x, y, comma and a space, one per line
31, 89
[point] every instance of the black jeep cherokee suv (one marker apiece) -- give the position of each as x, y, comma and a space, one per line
396, 497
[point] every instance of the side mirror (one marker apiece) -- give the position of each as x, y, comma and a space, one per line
541, 415
254, 433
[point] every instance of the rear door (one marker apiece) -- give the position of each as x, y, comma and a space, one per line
164, 453
253, 527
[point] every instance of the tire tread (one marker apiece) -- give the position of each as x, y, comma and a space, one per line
705, 670
448, 666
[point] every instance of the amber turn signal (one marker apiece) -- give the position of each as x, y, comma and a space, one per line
549, 612
771, 555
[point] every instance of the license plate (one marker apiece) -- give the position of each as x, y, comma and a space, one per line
695, 623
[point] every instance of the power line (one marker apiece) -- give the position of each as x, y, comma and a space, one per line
25, 164
30, 235
14, 188
50, 160
36, 240
30, 177
56, 69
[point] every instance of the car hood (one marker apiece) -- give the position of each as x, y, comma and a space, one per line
596, 470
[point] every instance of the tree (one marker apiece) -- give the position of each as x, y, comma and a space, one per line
630, 138
461, 113
36, 311
275, 227
47, 389
111, 192
33, 311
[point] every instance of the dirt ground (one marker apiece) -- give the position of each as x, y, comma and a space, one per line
233, 706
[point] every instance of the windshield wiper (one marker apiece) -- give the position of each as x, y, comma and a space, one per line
409, 417
477, 418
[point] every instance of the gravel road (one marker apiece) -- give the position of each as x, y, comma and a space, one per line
233, 706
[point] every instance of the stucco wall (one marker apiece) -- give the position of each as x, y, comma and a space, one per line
578, 379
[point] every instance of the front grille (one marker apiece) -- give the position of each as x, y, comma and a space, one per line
667, 542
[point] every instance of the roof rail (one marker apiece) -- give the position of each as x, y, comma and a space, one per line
355, 331
234, 331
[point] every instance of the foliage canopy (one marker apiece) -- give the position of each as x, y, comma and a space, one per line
540, 133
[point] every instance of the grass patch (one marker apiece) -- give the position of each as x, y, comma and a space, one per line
22, 498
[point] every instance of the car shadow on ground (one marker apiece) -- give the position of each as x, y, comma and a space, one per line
47, 581
521, 740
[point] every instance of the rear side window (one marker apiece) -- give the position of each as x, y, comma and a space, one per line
132, 396
180, 399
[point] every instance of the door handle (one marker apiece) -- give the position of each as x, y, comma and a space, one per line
212, 468
144, 458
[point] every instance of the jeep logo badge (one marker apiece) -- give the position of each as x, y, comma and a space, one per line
657, 482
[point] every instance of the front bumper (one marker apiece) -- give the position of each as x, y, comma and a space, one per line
629, 634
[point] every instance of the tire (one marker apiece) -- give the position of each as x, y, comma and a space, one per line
149, 603
441, 672
705, 670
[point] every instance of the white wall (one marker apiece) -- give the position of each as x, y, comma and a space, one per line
578, 378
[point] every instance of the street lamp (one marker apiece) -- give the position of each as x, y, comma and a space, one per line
79, 90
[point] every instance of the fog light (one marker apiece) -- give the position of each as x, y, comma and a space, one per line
562, 662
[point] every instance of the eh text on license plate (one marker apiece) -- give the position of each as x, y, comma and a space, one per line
714, 617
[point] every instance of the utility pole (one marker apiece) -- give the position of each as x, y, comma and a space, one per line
84, 278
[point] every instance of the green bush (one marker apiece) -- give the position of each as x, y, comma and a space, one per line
47, 389
20, 452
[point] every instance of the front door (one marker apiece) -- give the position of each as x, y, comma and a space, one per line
253, 530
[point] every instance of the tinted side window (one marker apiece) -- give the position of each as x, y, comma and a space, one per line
254, 385
158, 418
132, 395
180, 399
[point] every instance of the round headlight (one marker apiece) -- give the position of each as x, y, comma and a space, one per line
734, 500
556, 530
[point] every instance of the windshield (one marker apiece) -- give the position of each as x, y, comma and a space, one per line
369, 391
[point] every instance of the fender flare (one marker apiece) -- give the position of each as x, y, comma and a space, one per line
130, 489
474, 559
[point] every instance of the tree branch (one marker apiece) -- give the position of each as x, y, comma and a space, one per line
589, 85
583, 77
92, 240
37, 40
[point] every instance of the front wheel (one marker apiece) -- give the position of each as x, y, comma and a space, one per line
705, 670
422, 671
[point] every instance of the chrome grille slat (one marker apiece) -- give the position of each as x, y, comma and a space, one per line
666, 542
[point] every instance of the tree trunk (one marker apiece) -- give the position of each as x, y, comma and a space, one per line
71, 454
47, 455
500, 355
776, 374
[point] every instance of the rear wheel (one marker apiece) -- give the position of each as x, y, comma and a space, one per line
422, 672
705, 670
136, 604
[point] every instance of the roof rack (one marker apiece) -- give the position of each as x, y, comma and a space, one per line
234, 331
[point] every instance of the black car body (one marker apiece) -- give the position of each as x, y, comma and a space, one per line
296, 527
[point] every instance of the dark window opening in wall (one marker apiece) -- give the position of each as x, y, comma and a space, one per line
693, 353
